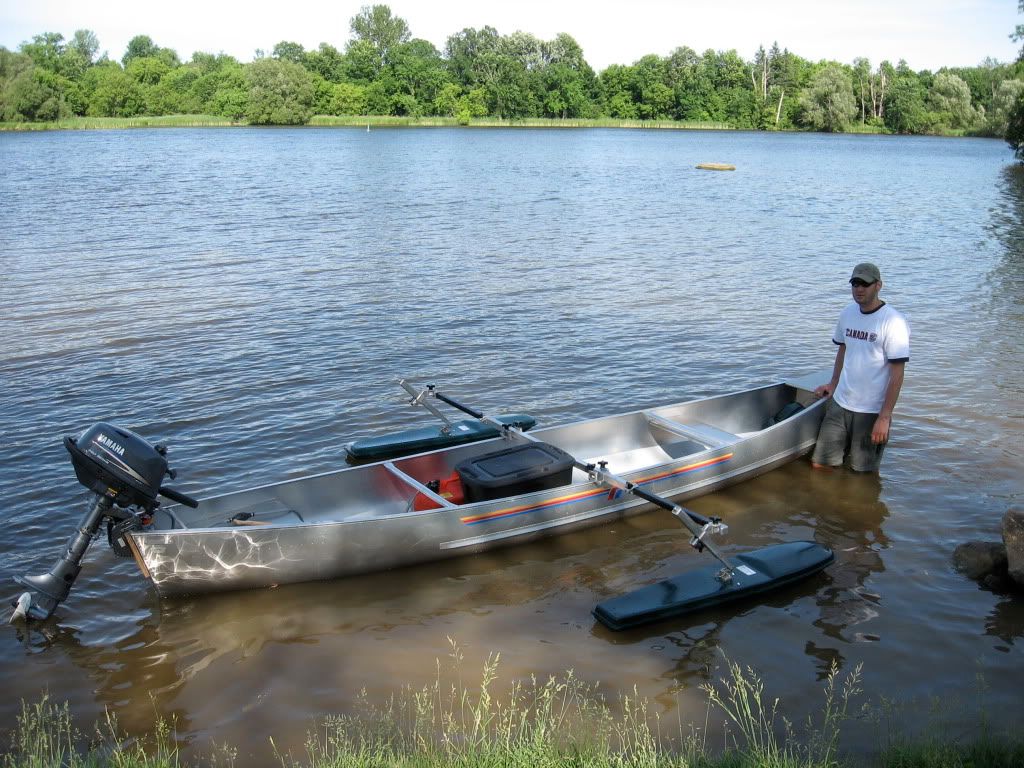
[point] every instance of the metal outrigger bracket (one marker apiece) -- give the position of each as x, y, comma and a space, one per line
420, 398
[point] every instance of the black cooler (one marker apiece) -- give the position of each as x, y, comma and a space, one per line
515, 470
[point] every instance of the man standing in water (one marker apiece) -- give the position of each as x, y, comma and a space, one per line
874, 346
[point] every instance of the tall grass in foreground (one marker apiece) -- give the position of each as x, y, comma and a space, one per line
537, 724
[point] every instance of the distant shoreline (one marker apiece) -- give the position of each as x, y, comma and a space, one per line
371, 121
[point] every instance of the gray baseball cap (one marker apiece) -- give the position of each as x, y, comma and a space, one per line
867, 272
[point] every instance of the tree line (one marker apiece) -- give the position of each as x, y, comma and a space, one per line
383, 70
1014, 133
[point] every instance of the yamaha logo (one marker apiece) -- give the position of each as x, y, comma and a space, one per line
106, 442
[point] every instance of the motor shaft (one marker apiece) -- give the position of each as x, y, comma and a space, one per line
48, 590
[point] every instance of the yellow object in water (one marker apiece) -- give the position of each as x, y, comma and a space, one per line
716, 167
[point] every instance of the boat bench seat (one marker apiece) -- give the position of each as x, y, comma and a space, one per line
712, 437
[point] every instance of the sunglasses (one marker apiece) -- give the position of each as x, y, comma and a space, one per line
862, 284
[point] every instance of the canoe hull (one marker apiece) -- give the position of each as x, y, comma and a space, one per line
359, 520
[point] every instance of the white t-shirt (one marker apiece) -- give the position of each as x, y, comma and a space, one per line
873, 340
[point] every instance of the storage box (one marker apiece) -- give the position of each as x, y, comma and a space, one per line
515, 470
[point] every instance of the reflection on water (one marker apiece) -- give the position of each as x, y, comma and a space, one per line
853, 528
255, 316
1007, 278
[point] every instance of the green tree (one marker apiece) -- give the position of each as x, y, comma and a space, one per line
84, 44
113, 93
616, 87
483, 59
862, 87
171, 95
79, 53
446, 102
230, 96
147, 70
288, 51
1015, 129
564, 85
905, 110
384, 31
472, 104
138, 47
12, 65
361, 62
380, 96
732, 100
563, 92
790, 75
34, 94
45, 50
471, 55
419, 72
328, 62
654, 99
828, 103
209, 84
280, 93
70, 60
348, 99
983, 80
142, 46
690, 86
526, 49
951, 99
997, 117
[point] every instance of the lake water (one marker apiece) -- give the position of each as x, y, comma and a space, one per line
251, 297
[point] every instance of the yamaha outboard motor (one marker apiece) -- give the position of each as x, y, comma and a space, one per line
125, 472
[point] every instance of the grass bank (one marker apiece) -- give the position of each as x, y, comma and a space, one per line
108, 123
539, 724
350, 121
490, 122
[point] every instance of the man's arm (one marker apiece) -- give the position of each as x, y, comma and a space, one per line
827, 389
880, 432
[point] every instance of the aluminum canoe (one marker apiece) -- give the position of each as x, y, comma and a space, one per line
361, 519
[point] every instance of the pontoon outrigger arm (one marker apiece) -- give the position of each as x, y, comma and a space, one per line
694, 522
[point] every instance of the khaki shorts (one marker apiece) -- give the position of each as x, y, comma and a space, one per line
847, 435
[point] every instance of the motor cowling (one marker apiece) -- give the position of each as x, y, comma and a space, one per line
118, 464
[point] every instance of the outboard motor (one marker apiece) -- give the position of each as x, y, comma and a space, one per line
125, 472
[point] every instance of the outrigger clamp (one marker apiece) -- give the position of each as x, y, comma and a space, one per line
420, 398
713, 526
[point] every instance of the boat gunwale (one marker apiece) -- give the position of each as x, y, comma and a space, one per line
538, 497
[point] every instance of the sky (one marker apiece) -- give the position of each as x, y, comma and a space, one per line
928, 34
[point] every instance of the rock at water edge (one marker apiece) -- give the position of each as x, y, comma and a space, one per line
978, 559
1013, 538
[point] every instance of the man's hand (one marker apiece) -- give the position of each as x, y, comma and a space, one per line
880, 432
823, 391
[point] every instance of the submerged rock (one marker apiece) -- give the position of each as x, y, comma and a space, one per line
1013, 538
